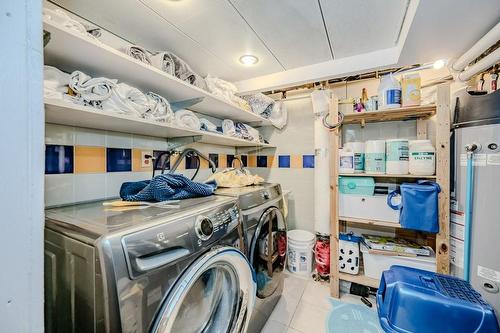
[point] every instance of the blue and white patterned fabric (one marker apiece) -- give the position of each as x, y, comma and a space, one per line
165, 187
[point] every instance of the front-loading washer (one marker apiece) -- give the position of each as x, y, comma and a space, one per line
262, 209
147, 269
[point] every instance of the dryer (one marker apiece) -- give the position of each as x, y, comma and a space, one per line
148, 269
264, 226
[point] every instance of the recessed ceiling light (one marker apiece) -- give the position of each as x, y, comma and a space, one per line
438, 64
249, 60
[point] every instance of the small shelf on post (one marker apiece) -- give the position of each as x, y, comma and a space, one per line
407, 113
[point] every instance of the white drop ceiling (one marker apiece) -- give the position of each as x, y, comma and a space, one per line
293, 35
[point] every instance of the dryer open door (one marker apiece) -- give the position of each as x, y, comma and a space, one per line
216, 294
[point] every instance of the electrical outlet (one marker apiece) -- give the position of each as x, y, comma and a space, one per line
146, 162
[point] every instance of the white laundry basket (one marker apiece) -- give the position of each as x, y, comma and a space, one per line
300, 251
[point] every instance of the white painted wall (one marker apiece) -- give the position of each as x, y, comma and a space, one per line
21, 170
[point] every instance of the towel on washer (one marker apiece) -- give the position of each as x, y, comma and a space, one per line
137, 52
186, 118
90, 91
127, 100
55, 82
159, 108
165, 187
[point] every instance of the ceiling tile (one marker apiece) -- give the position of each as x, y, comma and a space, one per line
360, 26
292, 30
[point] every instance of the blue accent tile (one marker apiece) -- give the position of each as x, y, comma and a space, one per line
261, 161
118, 159
229, 159
307, 161
214, 158
244, 160
191, 162
58, 159
284, 161
162, 160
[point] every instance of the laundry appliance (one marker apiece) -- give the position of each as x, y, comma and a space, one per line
262, 209
148, 269
476, 127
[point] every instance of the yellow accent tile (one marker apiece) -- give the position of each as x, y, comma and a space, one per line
174, 159
90, 159
203, 163
252, 161
137, 159
222, 161
272, 161
296, 161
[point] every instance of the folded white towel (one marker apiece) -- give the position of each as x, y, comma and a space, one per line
207, 125
91, 90
128, 100
186, 118
159, 108
138, 52
229, 129
164, 62
279, 115
55, 82
220, 87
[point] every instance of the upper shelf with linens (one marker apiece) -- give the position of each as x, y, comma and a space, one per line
70, 51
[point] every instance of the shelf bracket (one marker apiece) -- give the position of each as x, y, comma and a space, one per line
186, 103
175, 143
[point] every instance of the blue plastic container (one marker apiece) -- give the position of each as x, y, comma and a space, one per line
357, 185
413, 300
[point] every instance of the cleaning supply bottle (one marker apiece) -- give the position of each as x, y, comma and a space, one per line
389, 92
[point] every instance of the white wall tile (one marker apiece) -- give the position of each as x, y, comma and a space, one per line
114, 181
90, 137
59, 134
140, 141
90, 187
59, 189
118, 140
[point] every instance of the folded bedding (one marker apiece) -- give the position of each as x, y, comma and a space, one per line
159, 108
164, 62
173, 65
61, 18
239, 130
55, 82
226, 90
138, 52
279, 115
165, 187
268, 108
127, 100
188, 119
207, 125
90, 91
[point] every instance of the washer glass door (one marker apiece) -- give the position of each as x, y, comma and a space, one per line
216, 294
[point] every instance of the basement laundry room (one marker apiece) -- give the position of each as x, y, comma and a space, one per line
250, 166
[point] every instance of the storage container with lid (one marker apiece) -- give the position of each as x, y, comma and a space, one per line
375, 156
357, 185
358, 148
349, 253
422, 158
396, 156
346, 160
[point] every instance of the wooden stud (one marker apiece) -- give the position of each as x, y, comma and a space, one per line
334, 218
421, 128
443, 177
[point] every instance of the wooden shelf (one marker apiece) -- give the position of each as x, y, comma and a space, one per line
377, 175
360, 279
70, 51
409, 113
67, 113
370, 222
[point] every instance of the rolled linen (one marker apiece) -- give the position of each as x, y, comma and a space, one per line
261, 104
90, 91
220, 87
229, 129
137, 52
55, 82
184, 72
126, 100
164, 62
60, 17
159, 108
186, 118
239, 130
279, 115
207, 125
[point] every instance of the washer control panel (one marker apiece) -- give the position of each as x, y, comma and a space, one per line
216, 225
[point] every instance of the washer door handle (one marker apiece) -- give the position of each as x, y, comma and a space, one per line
161, 259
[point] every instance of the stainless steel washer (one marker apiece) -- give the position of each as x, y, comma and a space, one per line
264, 225
147, 270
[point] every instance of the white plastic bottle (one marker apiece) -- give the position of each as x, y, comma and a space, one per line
389, 92
422, 159
346, 160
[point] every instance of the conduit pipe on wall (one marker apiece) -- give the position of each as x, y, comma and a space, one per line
475, 51
321, 102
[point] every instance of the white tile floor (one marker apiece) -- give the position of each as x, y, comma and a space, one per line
303, 307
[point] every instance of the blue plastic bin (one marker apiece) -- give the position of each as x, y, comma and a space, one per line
413, 300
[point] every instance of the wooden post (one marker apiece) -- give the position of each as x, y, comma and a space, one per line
421, 128
334, 210
443, 115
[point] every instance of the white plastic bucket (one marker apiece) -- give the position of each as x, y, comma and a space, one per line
396, 157
300, 251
